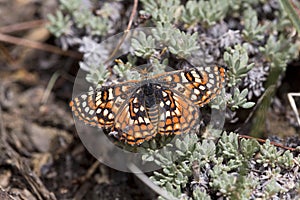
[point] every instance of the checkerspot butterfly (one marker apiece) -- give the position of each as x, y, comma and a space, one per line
165, 104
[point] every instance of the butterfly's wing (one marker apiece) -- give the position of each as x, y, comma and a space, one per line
100, 107
122, 108
169, 114
200, 85
133, 124
177, 115
84, 108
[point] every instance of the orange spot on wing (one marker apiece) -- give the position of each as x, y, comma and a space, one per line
143, 127
204, 79
136, 128
175, 119
176, 78
71, 104
189, 77
104, 95
91, 103
168, 121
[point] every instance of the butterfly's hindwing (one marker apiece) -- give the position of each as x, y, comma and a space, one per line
133, 123
177, 115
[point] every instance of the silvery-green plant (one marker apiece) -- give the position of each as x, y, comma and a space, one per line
229, 168
161, 11
252, 30
206, 13
237, 61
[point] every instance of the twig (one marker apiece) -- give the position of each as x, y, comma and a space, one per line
90, 171
38, 45
49, 87
138, 173
264, 141
22, 26
83, 179
133, 12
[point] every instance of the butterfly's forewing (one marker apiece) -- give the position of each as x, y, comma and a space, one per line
99, 107
200, 85
84, 108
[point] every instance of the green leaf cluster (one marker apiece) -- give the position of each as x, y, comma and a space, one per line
252, 30
237, 61
230, 167
279, 51
73, 13
206, 13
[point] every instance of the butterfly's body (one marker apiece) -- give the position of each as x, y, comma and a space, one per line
165, 104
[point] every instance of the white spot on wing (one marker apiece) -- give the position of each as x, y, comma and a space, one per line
207, 69
201, 87
91, 112
105, 112
195, 74
98, 103
193, 97
168, 114
197, 80
177, 112
98, 97
197, 92
183, 78
147, 121
110, 116
164, 94
110, 94
84, 96
161, 104
141, 120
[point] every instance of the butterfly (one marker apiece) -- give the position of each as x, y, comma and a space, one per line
136, 111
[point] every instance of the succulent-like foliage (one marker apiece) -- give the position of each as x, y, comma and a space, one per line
161, 11
279, 51
252, 30
60, 24
231, 168
237, 60
206, 13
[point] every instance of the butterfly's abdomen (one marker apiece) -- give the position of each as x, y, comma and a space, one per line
151, 102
